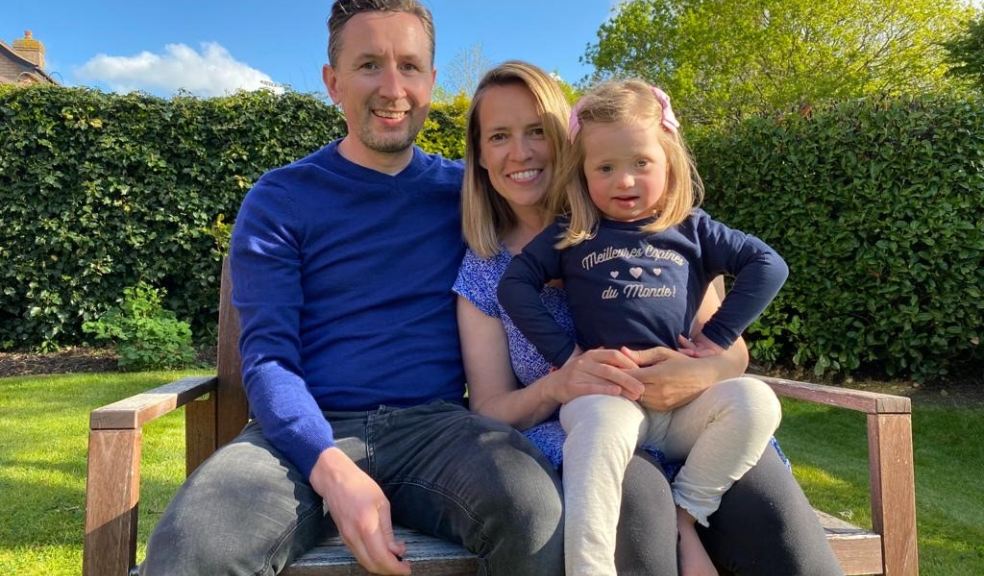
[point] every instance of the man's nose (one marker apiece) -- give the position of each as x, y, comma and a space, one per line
391, 84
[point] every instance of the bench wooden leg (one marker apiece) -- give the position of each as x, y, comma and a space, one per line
111, 498
893, 498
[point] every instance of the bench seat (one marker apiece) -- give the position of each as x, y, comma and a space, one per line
859, 551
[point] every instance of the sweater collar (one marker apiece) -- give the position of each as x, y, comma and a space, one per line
416, 165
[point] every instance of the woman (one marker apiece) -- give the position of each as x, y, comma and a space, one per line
517, 127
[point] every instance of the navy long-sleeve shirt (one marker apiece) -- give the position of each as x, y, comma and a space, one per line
634, 289
342, 277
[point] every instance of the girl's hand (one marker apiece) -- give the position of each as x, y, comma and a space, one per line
600, 371
700, 347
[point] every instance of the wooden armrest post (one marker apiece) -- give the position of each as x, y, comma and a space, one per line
112, 488
112, 495
893, 498
200, 432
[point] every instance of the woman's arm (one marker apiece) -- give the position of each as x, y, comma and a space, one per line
492, 387
673, 379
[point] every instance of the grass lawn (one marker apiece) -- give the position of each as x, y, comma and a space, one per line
44, 423
829, 453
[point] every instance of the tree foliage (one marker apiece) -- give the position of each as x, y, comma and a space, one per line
729, 59
462, 74
966, 52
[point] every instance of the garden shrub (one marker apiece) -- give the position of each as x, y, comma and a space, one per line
146, 336
877, 208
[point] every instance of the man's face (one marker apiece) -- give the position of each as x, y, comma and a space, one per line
382, 80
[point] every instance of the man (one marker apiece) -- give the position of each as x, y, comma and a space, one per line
342, 268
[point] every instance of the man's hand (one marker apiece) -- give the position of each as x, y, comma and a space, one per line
360, 511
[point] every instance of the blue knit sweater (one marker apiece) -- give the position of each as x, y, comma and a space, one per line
342, 277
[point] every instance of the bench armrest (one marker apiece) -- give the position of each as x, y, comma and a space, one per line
859, 400
890, 463
112, 491
133, 412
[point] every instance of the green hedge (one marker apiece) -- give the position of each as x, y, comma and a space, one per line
444, 130
100, 191
878, 207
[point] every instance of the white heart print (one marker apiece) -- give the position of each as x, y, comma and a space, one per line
614, 273
657, 271
636, 272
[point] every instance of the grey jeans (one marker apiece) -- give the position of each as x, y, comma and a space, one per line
446, 472
449, 472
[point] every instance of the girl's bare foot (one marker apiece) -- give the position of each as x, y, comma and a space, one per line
694, 560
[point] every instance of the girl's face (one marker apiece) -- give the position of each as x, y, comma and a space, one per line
512, 145
625, 168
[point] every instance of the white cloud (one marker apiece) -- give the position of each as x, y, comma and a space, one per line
213, 72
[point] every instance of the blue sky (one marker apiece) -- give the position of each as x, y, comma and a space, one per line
212, 47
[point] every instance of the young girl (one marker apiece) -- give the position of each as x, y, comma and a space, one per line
636, 258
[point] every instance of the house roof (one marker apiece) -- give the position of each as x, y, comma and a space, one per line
12, 54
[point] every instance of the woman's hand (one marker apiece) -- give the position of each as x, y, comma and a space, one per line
671, 378
600, 371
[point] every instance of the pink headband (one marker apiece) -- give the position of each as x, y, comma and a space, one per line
669, 121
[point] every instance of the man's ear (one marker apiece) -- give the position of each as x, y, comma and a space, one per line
331, 82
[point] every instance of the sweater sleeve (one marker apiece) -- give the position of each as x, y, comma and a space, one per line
519, 294
758, 270
265, 256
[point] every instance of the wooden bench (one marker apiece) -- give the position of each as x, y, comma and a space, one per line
216, 411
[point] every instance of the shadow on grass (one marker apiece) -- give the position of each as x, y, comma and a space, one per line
40, 513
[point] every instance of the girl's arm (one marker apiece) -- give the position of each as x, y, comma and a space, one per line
492, 387
519, 294
759, 274
673, 379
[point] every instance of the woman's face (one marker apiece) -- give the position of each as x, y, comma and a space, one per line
513, 147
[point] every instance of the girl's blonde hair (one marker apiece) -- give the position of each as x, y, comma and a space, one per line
622, 101
486, 216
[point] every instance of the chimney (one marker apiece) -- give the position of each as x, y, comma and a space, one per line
30, 49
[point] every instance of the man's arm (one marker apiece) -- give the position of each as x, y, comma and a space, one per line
266, 271
265, 258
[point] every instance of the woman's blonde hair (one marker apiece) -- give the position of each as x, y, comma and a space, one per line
622, 101
486, 216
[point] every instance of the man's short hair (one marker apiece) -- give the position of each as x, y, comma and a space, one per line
343, 10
